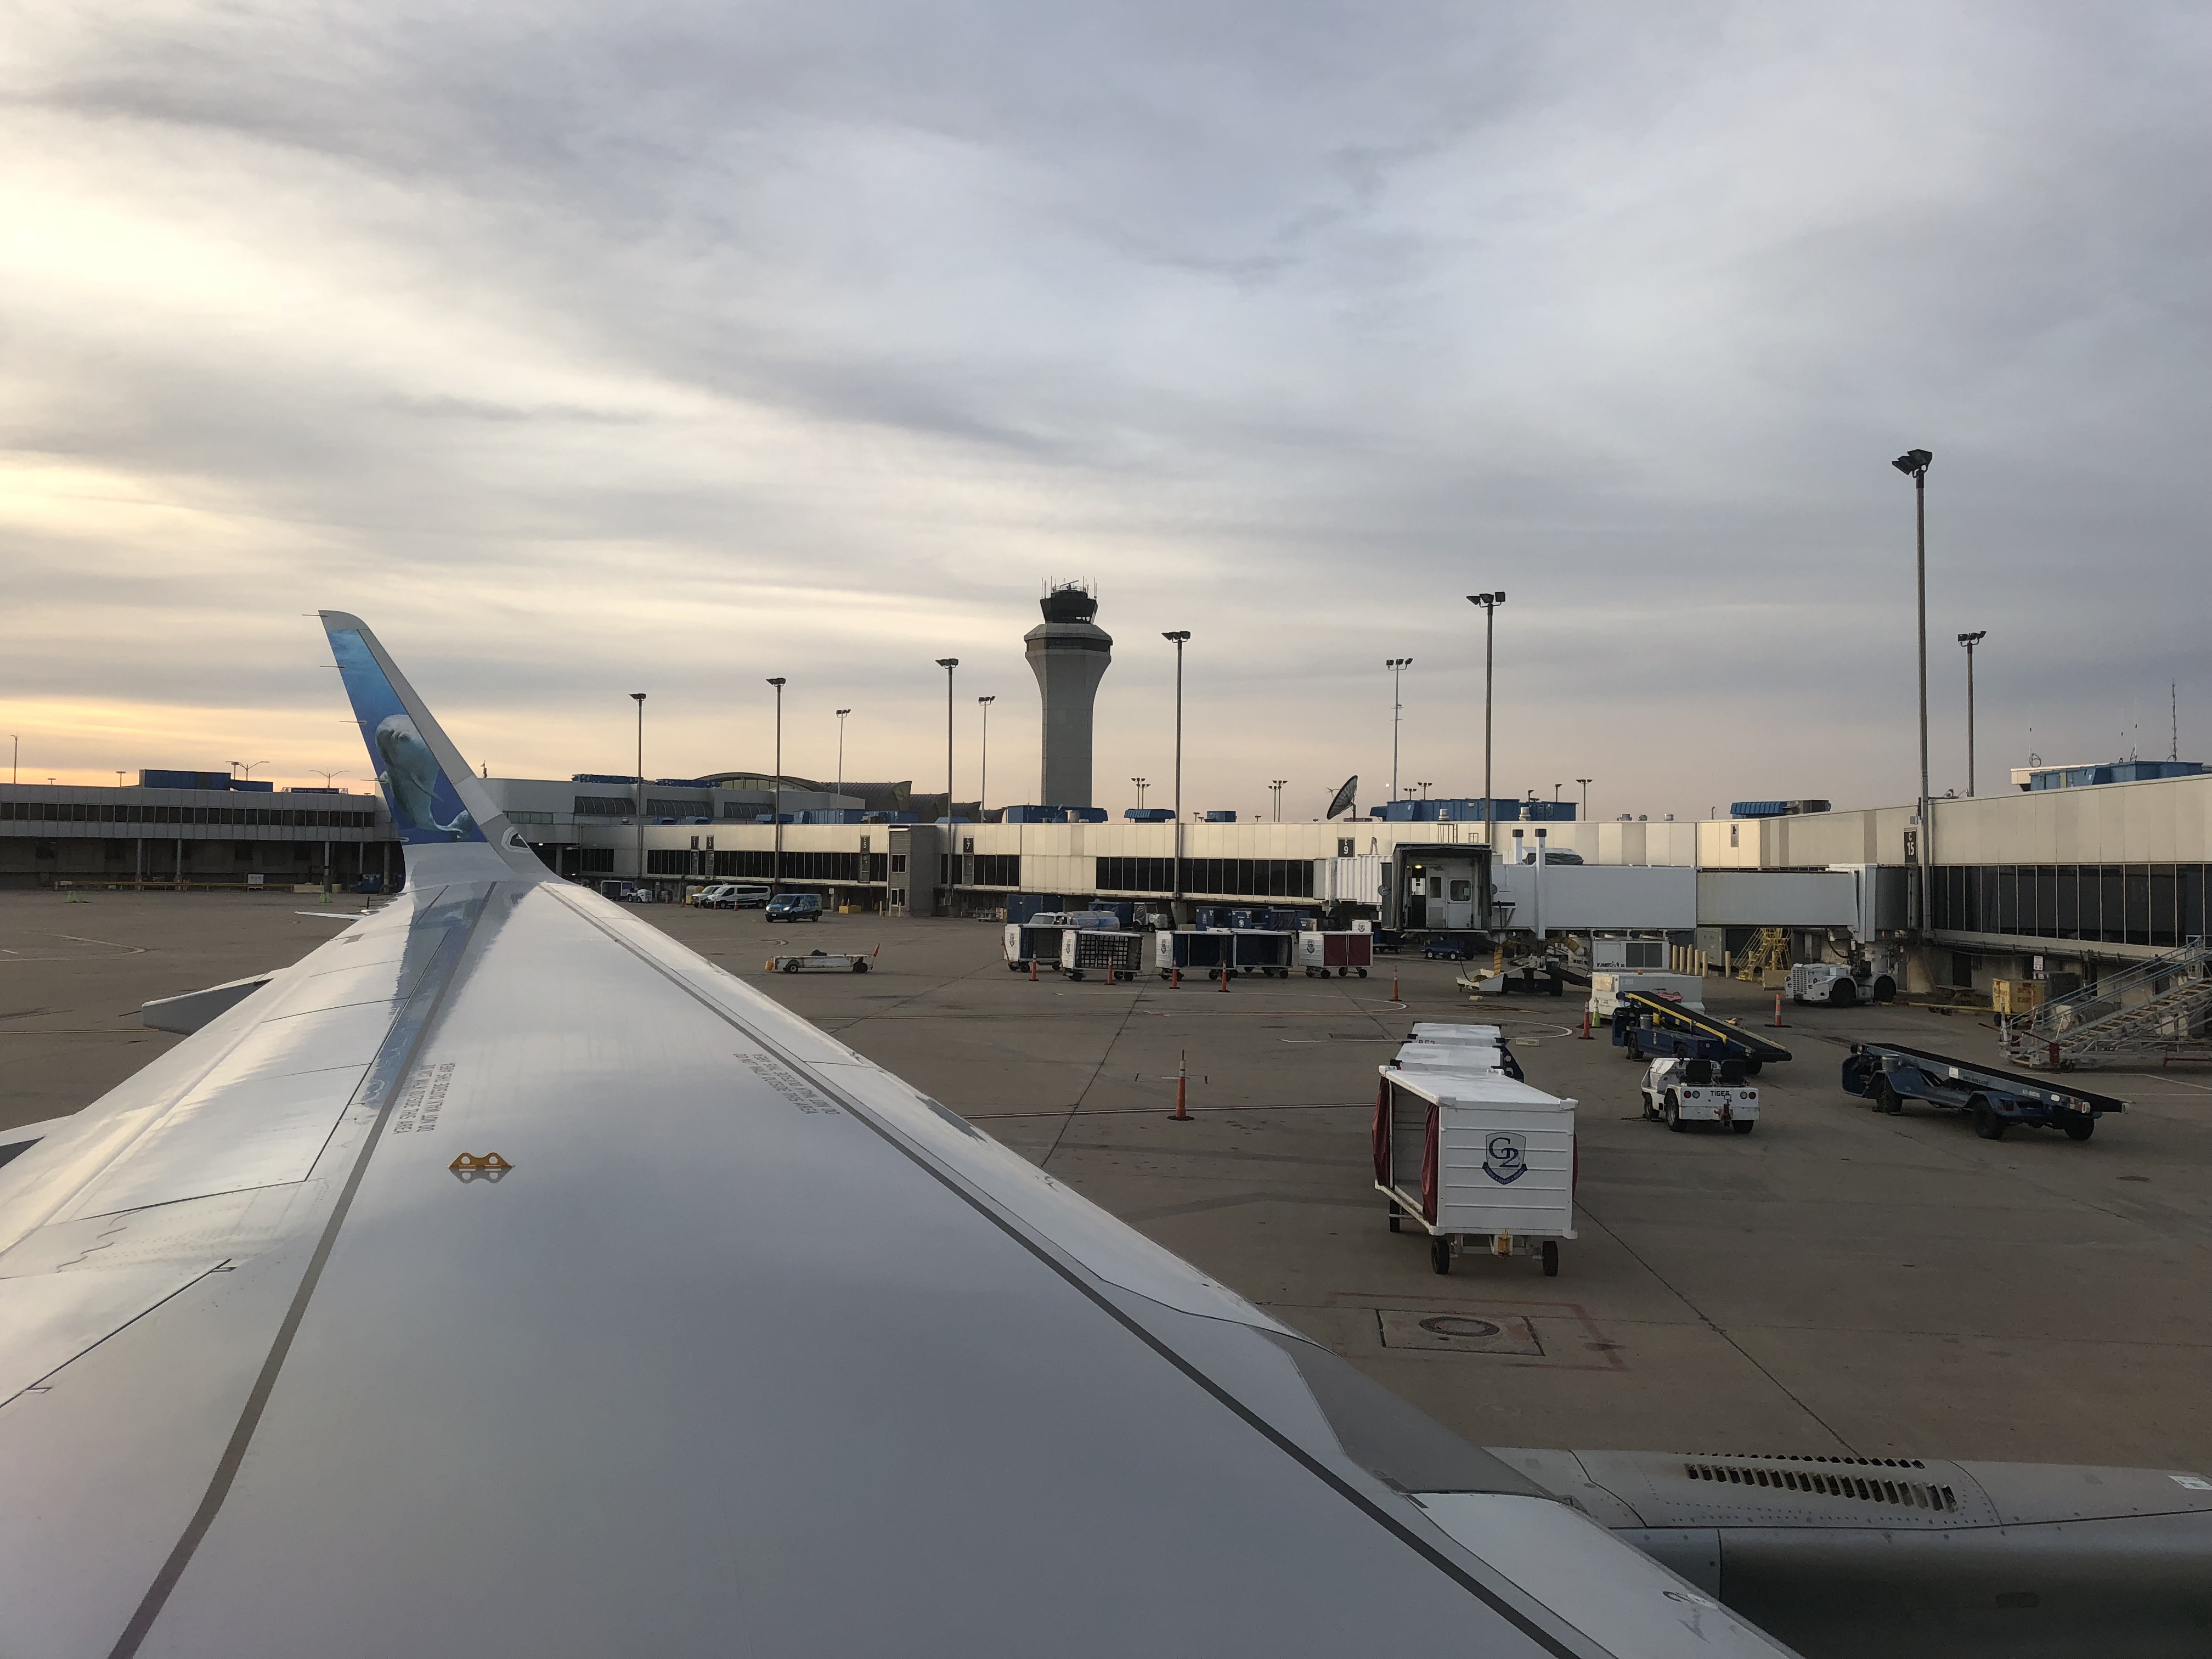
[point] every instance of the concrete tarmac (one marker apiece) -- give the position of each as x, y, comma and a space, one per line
1834, 1282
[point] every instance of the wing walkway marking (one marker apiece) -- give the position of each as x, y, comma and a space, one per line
1052, 1263
393, 1062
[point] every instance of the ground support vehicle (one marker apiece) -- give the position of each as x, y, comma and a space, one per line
1321, 954
1889, 1074
1038, 939
821, 962
707, 898
1679, 1092
1191, 953
1527, 979
1479, 1161
1839, 984
1108, 952
1263, 951
795, 906
1647, 1024
1606, 987
1447, 947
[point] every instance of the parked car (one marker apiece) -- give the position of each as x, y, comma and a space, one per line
744, 896
707, 898
795, 906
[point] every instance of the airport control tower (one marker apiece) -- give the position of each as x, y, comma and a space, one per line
1069, 653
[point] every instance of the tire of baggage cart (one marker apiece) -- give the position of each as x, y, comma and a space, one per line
1987, 1124
1440, 1254
1887, 1099
2079, 1127
1550, 1258
1635, 1049
1673, 1112
1074, 973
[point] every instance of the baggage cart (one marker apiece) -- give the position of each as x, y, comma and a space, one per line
1260, 950
1477, 1043
820, 962
1889, 1074
1109, 951
1038, 939
1200, 953
1480, 1162
1321, 954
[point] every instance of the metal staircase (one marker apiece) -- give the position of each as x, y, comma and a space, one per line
2156, 1011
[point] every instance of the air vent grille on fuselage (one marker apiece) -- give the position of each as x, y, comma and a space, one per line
1867, 1488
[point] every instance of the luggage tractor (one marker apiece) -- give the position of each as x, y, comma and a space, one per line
1839, 984
1679, 1091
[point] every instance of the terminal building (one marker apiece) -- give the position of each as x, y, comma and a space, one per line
2058, 876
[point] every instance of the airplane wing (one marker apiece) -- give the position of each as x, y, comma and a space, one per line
504, 1279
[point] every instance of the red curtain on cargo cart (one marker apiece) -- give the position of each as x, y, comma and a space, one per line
1429, 1169
1382, 1134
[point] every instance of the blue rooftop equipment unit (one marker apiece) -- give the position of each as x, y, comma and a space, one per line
1148, 815
1221, 818
1037, 815
1086, 815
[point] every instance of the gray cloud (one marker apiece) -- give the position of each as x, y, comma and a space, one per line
581, 347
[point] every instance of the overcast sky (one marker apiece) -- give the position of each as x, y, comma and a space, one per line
589, 349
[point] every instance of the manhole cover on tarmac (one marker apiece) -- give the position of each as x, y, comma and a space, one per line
1459, 1331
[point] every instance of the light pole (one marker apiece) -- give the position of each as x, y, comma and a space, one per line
1141, 787
1914, 465
776, 858
951, 840
247, 768
1397, 665
841, 749
1585, 783
14, 755
983, 778
1970, 640
1275, 785
1424, 785
1179, 638
1489, 602
329, 778
639, 697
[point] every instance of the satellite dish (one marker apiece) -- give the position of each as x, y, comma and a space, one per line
1344, 797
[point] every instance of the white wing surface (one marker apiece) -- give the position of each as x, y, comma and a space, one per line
502, 1278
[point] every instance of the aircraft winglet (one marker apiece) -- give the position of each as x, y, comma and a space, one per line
436, 801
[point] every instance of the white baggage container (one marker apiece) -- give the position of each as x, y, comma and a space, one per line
1481, 1161
1484, 1048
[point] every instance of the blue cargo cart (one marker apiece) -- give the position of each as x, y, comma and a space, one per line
1889, 1074
1648, 1026
1203, 951
1262, 951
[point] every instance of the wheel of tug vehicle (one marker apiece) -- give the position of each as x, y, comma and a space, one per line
1440, 1254
1842, 993
1673, 1112
1884, 989
859, 964
1550, 1258
1751, 1068
1743, 1126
